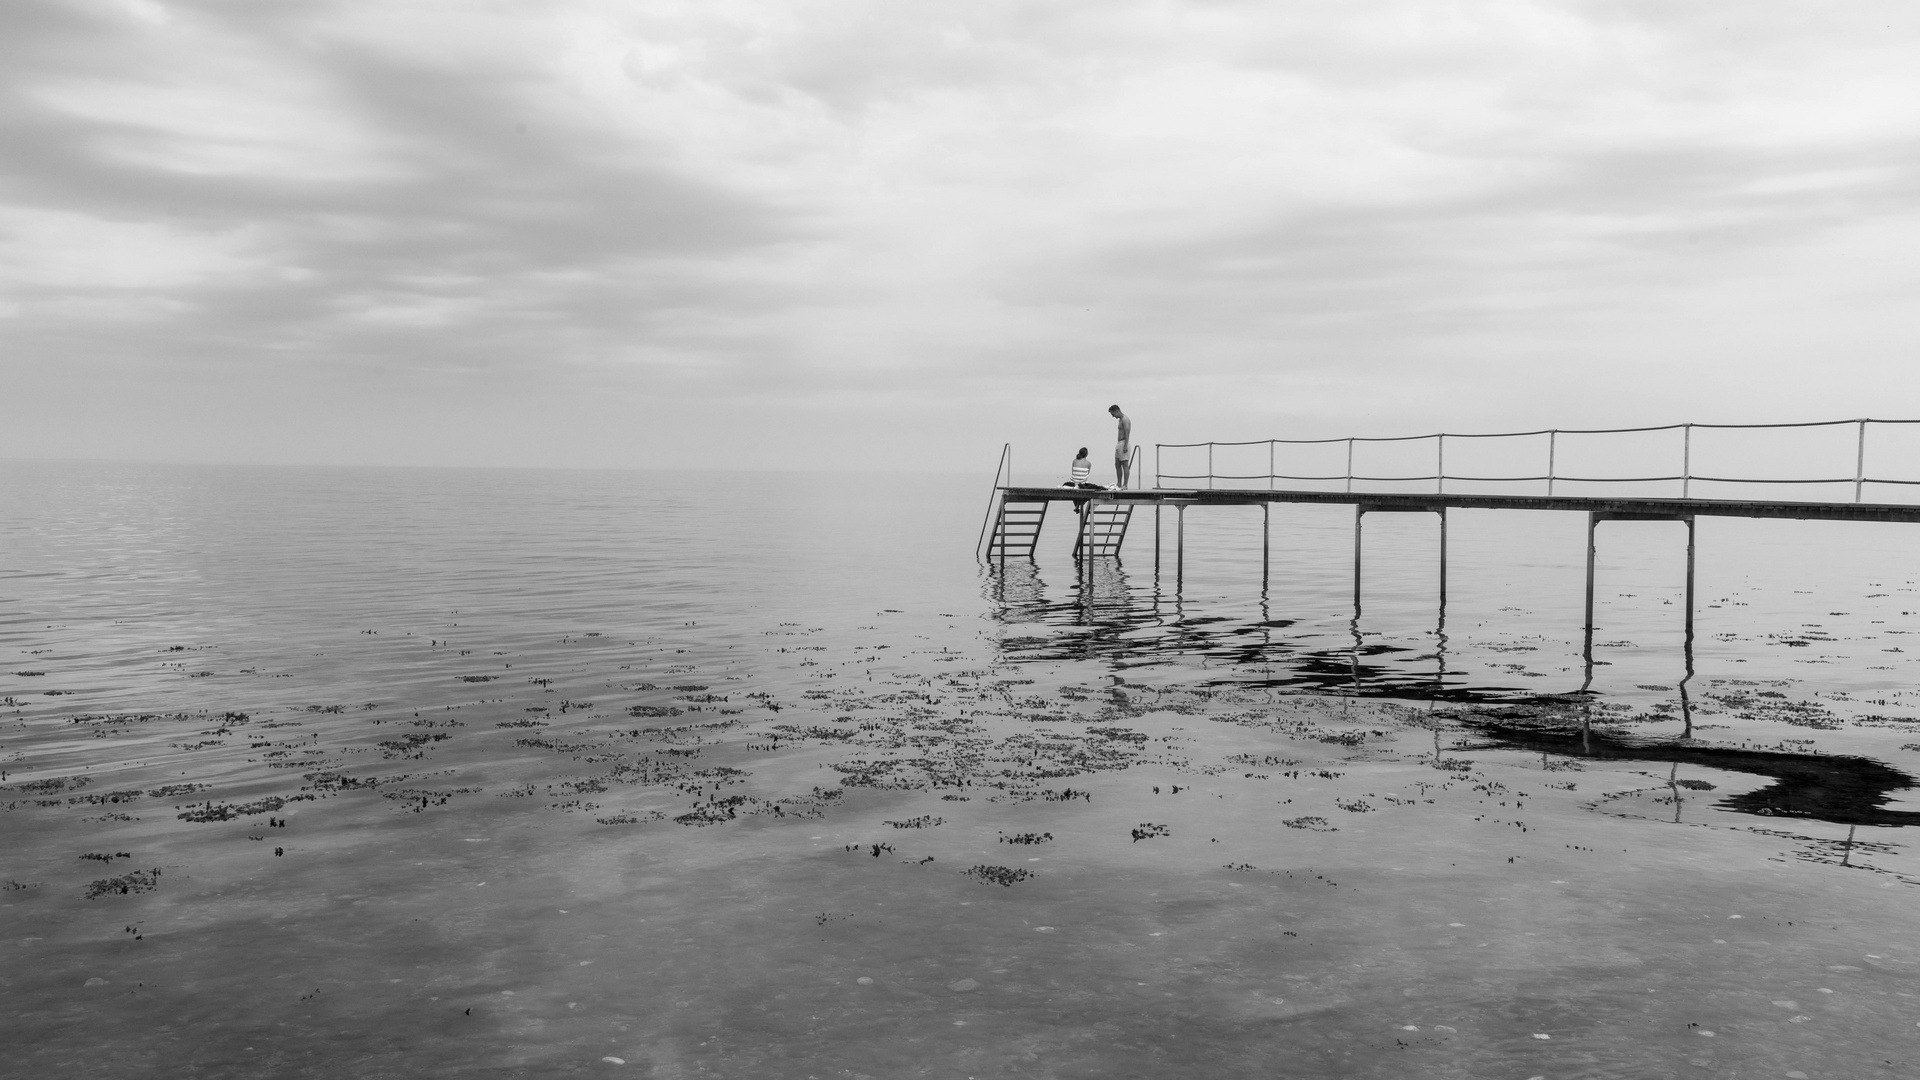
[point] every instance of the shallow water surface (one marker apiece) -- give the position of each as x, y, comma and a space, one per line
404, 773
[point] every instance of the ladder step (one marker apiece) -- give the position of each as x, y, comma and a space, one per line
1016, 529
1104, 530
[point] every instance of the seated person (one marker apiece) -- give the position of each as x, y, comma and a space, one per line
1082, 469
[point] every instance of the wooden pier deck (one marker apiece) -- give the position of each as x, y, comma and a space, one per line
1616, 507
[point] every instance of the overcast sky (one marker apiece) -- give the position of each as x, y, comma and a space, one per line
894, 234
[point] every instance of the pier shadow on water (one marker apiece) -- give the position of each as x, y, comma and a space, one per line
1842, 789
1131, 621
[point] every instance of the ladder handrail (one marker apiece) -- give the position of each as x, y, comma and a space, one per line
1006, 458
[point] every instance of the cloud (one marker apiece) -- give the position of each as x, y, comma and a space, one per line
544, 233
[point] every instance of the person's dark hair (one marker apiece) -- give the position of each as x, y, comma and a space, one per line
1082, 453
1113, 408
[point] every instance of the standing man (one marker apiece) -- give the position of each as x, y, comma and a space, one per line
1122, 449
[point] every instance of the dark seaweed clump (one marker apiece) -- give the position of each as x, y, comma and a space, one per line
228, 811
166, 791
714, 812
997, 875
52, 785
408, 745
137, 881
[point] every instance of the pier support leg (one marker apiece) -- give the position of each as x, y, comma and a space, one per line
1689, 583
999, 529
1156, 541
1266, 543
1179, 547
1358, 515
1353, 624
1686, 702
1085, 544
1440, 624
1593, 521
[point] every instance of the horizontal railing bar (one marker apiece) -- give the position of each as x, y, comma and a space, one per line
1742, 480
1534, 479
1542, 431
1489, 479
1441, 476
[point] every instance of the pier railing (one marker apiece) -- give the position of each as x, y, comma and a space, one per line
1547, 454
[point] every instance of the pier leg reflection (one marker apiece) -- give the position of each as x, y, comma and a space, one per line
1688, 603
1147, 622
1357, 647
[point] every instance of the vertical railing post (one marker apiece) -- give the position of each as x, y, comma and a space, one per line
1270, 469
1686, 460
1860, 463
1156, 465
1553, 447
1440, 463
1209, 466
1349, 463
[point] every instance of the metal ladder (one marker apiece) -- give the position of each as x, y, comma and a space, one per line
1016, 529
1105, 528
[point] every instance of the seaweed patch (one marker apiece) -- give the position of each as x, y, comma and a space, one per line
997, 875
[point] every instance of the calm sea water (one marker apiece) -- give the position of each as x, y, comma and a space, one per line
405, 773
